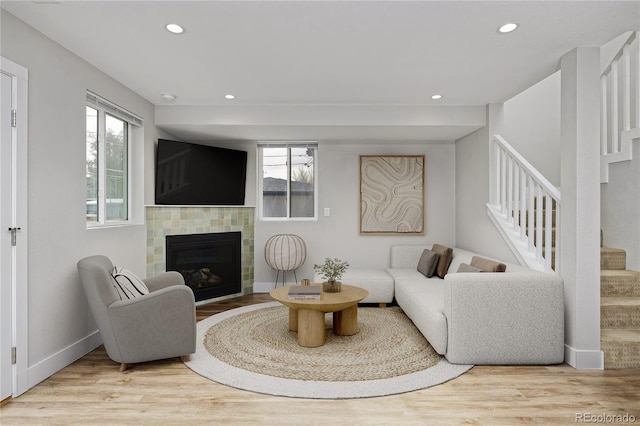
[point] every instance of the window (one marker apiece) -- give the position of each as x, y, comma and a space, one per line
288, 183
108, 129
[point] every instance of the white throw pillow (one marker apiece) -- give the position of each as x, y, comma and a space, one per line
127, 284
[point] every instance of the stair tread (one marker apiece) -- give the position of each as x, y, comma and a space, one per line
619, 283
612, 258
611, 250
618, 335
619, 272
619, 301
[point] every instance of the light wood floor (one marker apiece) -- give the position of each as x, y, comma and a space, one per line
92, 391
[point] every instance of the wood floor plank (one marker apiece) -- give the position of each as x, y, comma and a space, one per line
93, 391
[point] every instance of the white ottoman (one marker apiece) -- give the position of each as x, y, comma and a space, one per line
377, 282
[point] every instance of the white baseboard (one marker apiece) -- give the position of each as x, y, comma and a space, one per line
262, 287
581, 359
56, 362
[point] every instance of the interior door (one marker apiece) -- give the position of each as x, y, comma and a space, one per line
6, 255
14, 373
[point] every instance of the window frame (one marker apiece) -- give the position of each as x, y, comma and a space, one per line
106, 108
260, 173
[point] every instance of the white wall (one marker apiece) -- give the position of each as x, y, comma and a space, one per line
338, 235
474, 229
60, 324
532, 126
620, 208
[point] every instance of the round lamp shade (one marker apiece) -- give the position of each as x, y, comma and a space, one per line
285, 252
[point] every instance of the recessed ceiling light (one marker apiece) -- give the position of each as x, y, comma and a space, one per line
436, 97
168, 97
229, 97
174, 28
507, 28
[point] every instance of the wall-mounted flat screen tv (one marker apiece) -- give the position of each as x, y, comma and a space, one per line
193, 174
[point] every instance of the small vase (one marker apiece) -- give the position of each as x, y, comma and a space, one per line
332, 286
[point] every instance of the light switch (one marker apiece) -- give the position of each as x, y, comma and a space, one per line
327, 211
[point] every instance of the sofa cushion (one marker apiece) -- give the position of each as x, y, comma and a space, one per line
464, 267
488, 265
127, 284
446, 254
422, 300
428, 262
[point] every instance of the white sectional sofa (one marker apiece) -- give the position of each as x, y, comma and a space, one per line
511, 317
377, 282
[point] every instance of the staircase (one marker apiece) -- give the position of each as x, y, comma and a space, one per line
619, 287
619, 310
522, 203
619, 123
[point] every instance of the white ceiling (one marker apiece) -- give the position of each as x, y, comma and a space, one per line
326, 54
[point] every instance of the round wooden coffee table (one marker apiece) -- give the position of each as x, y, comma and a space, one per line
307, 316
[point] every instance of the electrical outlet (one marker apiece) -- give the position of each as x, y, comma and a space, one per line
327, 211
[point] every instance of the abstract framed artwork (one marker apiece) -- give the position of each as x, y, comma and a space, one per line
392, 194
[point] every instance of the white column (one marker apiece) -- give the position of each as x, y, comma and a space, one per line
580, 214
495, 124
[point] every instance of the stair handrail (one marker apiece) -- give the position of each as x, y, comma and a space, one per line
529, 169
618, 55
521, 192
616, 132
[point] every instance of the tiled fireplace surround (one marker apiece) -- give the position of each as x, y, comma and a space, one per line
181, 220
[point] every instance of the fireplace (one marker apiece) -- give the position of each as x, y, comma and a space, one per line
210, 263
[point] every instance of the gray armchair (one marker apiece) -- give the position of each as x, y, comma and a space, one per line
158, 325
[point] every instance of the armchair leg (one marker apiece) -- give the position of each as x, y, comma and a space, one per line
123, 367
185, 358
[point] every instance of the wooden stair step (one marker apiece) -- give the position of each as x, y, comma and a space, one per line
620, 312
612, 258
621, 348
619, 283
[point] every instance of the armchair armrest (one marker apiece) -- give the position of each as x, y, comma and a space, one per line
163, 280
158, 325
504, 318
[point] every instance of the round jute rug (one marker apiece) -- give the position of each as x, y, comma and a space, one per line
252, 348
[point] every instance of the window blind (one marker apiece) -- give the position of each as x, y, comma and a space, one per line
113, 109
280, 144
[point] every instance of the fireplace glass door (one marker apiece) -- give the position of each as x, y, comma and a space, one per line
209, 263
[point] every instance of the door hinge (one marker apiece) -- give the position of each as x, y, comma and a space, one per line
13, 355
14, 115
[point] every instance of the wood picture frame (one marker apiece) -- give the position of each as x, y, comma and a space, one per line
392, 194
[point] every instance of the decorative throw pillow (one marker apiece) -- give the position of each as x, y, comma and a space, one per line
488, 265
464, 267
428, 262
127, 284
446, 254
